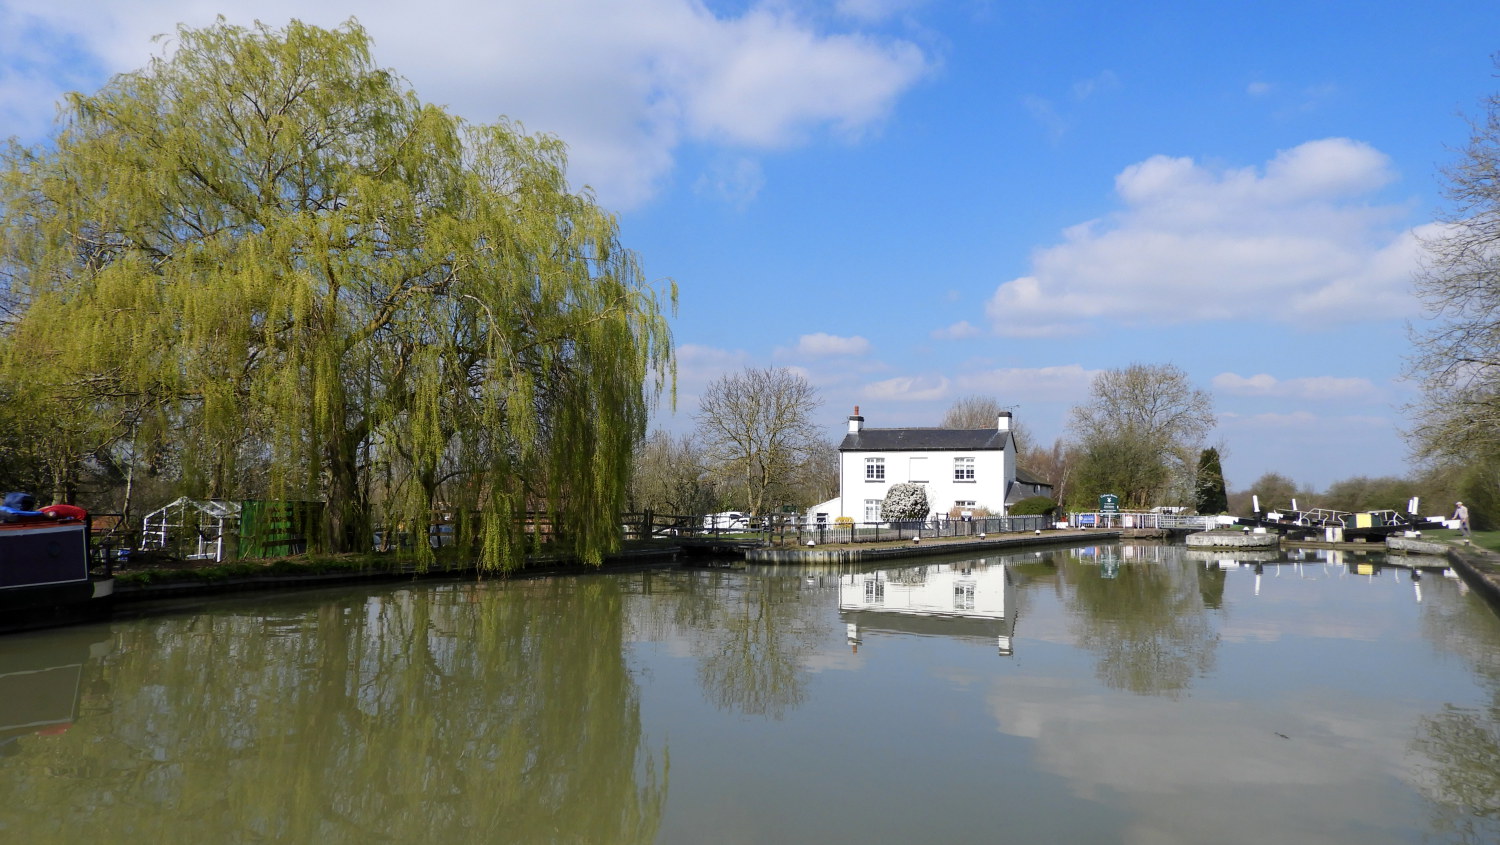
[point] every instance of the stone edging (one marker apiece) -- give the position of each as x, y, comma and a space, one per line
1237, 540
844, 556
1480, 570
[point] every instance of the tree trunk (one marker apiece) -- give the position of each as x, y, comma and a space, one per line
347, 517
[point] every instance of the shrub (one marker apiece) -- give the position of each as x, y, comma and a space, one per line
844, 521
904, 503
1033, 506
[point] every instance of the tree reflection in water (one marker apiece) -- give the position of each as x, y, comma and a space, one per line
1460, 746
1147, 624
460, 713
750, 633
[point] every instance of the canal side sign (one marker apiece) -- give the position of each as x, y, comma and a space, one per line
1109, 503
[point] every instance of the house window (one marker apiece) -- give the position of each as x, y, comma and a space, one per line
964, 503
918, 471
874, 469
874, 591
963, 596
963, 469
872, 510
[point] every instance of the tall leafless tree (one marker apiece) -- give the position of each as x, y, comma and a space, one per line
1457, 355
975, 412
756, 427
670, 476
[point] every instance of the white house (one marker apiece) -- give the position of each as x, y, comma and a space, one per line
962, 469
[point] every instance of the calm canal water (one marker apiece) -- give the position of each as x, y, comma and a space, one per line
1111, 694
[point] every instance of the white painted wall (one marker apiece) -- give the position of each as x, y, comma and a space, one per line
993, 470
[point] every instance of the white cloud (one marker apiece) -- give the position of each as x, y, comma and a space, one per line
875, 10
1256, 385
624, 82
1296, 241
957, 331
1258, 89
908, 389
1103, 81
697, 365
1066, 383
1044, 113
1330, 388
735, 181
1306, 420
821, 345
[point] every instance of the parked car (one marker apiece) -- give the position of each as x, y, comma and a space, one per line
727, 521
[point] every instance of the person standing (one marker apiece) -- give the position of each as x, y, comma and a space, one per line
1461, 513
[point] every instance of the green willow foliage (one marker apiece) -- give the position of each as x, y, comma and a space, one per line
265, 249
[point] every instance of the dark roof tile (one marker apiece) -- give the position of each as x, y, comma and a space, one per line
1030, 478
924, 440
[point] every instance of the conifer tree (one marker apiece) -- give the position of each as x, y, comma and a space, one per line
1210, 495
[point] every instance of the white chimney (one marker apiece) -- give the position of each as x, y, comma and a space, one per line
1003, 423
856, 422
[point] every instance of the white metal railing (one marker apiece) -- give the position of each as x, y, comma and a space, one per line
1147, 520
875, 532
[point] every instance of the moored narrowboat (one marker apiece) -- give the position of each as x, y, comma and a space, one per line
44, 570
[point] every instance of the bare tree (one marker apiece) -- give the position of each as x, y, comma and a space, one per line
1457, 357
818, 481
971, 412
1139, 432
670, 476
1056, 465
1274, 492
756, 428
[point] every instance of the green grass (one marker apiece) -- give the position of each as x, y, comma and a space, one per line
1483, 539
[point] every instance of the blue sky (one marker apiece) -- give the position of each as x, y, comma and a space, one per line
912, 201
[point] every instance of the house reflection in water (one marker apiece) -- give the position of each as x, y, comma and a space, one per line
965, 600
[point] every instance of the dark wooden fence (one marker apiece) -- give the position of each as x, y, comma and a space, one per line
784, 529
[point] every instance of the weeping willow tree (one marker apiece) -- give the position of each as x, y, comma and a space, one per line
270, 252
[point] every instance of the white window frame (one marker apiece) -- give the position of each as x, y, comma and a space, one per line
875, 470
872, 509
963, 470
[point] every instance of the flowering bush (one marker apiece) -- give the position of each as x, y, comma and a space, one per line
904, 503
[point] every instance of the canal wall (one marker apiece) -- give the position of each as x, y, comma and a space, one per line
842, 556
1232, 540
1416, 545
187, 583
1480, 569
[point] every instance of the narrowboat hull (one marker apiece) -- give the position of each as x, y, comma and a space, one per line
45, 579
